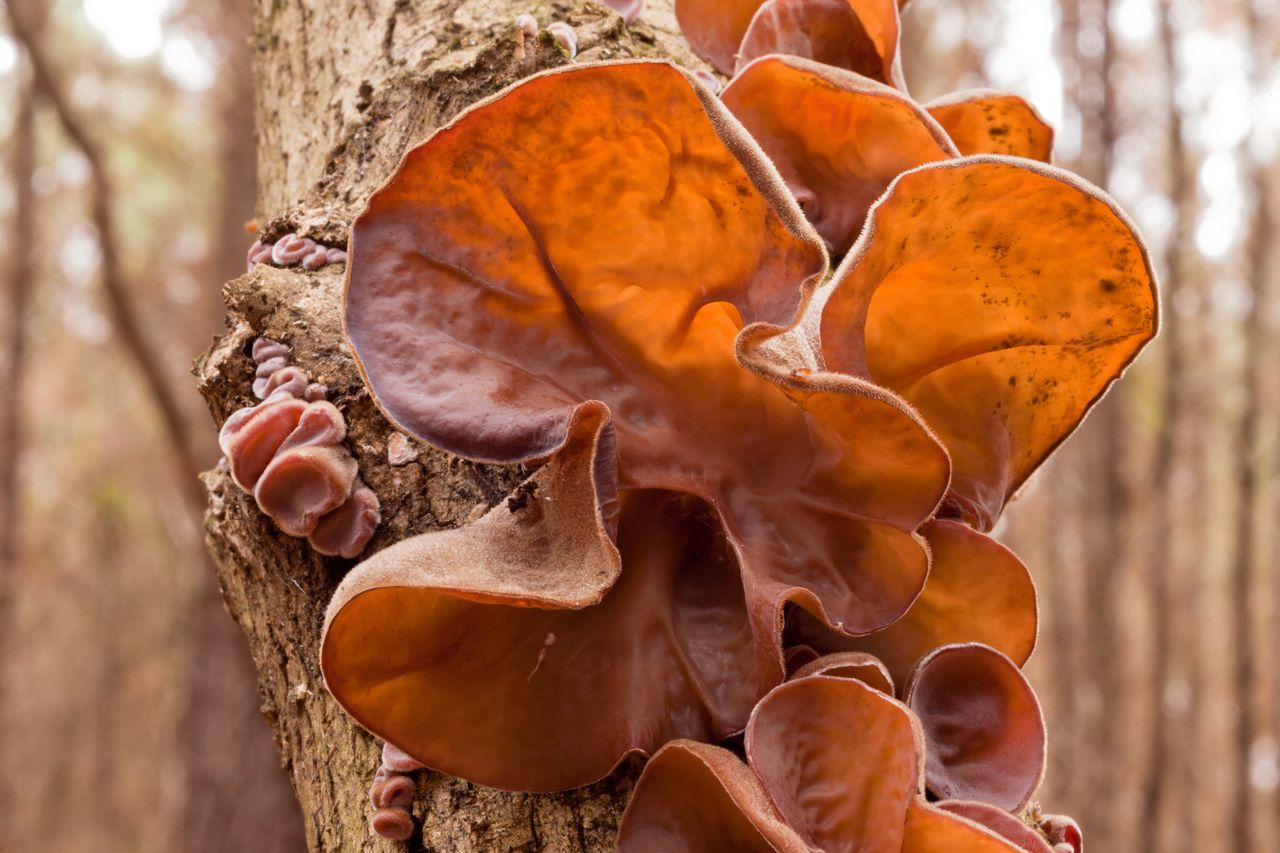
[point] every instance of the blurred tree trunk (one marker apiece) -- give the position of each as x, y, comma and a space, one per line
21, 248
1107, 509
1171, 415
1250, 512
342, 88
1058, 576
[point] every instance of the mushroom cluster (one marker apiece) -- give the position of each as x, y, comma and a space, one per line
392, 794
743, 464
835, 763
292, 250
288, 452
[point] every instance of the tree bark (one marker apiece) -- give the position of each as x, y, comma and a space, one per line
343, 88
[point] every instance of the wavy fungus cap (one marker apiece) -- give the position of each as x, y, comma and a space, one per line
834, 766
599, 272
718, 29
838, 138
1001, 297
978, 591
982, 723
859, 36
982, 121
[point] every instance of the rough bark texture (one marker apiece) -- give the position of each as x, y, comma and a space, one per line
344, 87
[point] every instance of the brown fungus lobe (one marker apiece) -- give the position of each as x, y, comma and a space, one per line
834, 767
1000, 822
832, 32
982, 121
982, 722
978, 591
598, 269
716, 29
838, 139
1001, 297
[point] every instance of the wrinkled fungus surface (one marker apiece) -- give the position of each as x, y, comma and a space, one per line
833, 765
599, 272
392, 794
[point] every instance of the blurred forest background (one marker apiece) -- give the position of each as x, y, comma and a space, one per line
128, 717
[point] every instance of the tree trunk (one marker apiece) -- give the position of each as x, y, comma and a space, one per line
343, 88
17, 296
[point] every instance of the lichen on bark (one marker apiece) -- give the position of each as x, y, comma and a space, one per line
343, 89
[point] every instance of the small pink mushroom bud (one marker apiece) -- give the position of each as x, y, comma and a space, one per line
265, 349
301, 485
271, 365
251, 437
318, 258
290, 249
335, 256
321, 424
311, 473
251, 257
528, 25
394, 824
315, 392
259, 253
393, 791
396, 759
346, 530
1064, 834
564, 37
264, 373
279, 384
628, 9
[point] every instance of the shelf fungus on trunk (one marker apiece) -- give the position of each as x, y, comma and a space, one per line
288, 452
598, 273
833, 765
1001, 297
